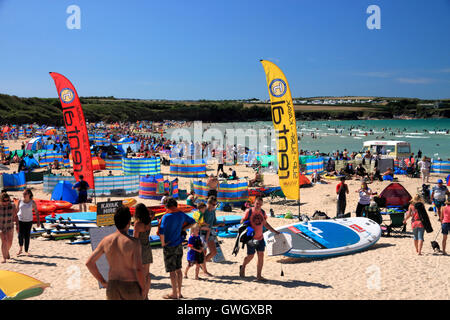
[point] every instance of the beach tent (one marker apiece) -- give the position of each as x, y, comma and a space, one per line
396, 195
63, 191
105, 150
50, 131
304, 181
98, 163
14, 182
32, 144
31, 163
18, 286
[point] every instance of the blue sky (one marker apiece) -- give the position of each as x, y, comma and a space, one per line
210, 49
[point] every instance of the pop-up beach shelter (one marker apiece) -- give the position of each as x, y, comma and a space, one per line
304, 181
32, 144
395, 195
63, 191
98, 163
31, 163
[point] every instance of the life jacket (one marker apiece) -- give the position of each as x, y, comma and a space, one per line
199, 217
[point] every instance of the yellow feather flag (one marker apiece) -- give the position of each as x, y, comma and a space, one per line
283, 118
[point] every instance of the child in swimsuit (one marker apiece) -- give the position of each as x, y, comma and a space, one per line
196, 253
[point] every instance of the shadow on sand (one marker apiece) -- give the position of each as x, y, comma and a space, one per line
286, 284
308, 260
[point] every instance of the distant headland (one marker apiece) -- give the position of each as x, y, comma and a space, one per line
19, 110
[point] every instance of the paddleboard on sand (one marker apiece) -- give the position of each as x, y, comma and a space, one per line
227, 234
83, 226
77, 217
333, 237
278, 244
81, 241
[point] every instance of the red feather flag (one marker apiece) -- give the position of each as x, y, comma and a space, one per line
76, 129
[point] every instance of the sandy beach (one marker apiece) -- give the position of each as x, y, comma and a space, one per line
389, 270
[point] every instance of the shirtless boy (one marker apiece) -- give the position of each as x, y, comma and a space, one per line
126, 277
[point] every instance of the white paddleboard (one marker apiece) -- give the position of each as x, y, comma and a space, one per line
333, 237
277, 244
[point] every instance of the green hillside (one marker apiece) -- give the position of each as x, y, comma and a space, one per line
109, 109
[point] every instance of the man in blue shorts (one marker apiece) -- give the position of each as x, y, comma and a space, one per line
173, 223
438, 196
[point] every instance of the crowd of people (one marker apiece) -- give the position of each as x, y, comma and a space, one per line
129, 257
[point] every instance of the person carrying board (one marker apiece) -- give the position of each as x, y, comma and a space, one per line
257, 219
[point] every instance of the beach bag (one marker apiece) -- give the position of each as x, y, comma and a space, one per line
227, 208
319, 215
373, 213
381, 202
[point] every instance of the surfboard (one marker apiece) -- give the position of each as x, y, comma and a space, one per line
278, 244
76, 217
424, 217
227, 234
234, 228
83, 226
333, 237
37, 232
85, 241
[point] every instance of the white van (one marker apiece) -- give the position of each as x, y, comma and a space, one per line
394, 149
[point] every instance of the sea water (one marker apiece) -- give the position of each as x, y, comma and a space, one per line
431, 136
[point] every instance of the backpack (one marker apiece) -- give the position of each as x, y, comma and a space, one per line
227, 208
319, 215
